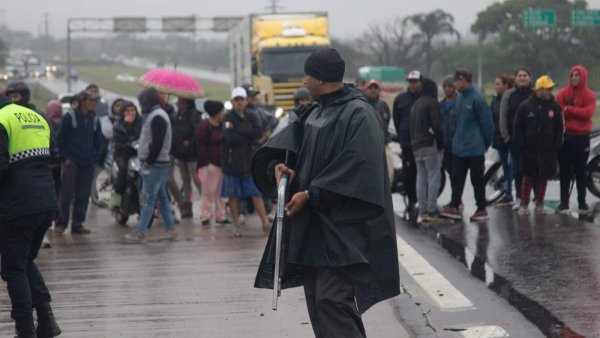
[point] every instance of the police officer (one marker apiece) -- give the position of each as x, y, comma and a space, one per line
27, 207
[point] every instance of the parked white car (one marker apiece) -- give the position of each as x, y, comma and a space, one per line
126, 77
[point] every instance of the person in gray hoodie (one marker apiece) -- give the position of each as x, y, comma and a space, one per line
427, 143
153, 152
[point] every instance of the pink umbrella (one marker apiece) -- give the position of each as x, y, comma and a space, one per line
172, 82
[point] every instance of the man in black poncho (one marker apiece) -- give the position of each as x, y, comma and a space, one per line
340, 240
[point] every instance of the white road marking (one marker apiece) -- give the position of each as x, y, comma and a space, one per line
485, 332
430, 280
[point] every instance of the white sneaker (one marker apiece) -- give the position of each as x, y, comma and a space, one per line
176, 213
523, 211
517, 204
134, 237
540, 210
168, 236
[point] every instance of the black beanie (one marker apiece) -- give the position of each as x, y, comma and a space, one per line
212, 108
325, 64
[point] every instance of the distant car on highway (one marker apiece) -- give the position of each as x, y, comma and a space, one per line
125, 77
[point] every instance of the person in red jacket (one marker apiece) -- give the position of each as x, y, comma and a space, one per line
578, 104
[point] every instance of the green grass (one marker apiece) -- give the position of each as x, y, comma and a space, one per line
105, 77
39, 94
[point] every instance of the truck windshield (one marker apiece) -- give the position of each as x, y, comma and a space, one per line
285, 65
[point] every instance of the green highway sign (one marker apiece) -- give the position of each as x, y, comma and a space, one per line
585, 17
539, 17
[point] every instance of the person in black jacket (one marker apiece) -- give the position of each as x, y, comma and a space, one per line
508, 109
184, 123
402, 106
427, 143
126, 130
27, 207
241, 130
538, 132
372, 93
503, 83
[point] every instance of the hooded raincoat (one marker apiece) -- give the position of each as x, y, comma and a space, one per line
338, 148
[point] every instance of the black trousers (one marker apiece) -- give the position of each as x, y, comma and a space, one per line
572, 160
20, 241
460, 168
331, 305
120, 184
76, 186
409, 166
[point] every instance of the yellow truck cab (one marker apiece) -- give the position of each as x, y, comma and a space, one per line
269, 50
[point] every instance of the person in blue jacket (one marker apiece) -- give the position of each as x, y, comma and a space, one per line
474, 135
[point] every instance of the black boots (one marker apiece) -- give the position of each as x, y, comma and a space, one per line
24, 328
47, 326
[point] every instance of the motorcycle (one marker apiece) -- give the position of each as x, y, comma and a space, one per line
494, 176
130, 200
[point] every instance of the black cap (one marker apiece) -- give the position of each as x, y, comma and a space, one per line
325, 64
212, 107
250, 90
83, 95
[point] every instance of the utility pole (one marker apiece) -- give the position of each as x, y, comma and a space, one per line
46, 19
273, 6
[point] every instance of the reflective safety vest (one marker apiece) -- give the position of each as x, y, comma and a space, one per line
28, 133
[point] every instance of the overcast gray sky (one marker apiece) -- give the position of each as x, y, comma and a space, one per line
347, 17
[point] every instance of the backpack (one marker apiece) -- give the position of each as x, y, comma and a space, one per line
71, 113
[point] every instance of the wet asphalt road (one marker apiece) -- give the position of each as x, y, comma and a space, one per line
198, 286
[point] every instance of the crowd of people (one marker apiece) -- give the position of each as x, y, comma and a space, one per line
538, 136
340, 222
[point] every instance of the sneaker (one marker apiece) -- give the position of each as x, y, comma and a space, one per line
168, 236
505, 201
584, 209
517, 204
562, 209
80, 230
523, 211
480, 215
540, 210
431, 218
46, 242
134, 237
237, 231
59, 229
224, 222
452, 213
176, 213
206, 223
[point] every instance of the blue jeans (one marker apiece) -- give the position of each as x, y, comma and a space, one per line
153, 188
507, 167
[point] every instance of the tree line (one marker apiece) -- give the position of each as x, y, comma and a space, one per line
425, 41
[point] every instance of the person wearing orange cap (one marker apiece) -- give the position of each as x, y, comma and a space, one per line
372, 93
578, 103
538, 132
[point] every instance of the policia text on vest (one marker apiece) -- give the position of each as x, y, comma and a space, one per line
22, 126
